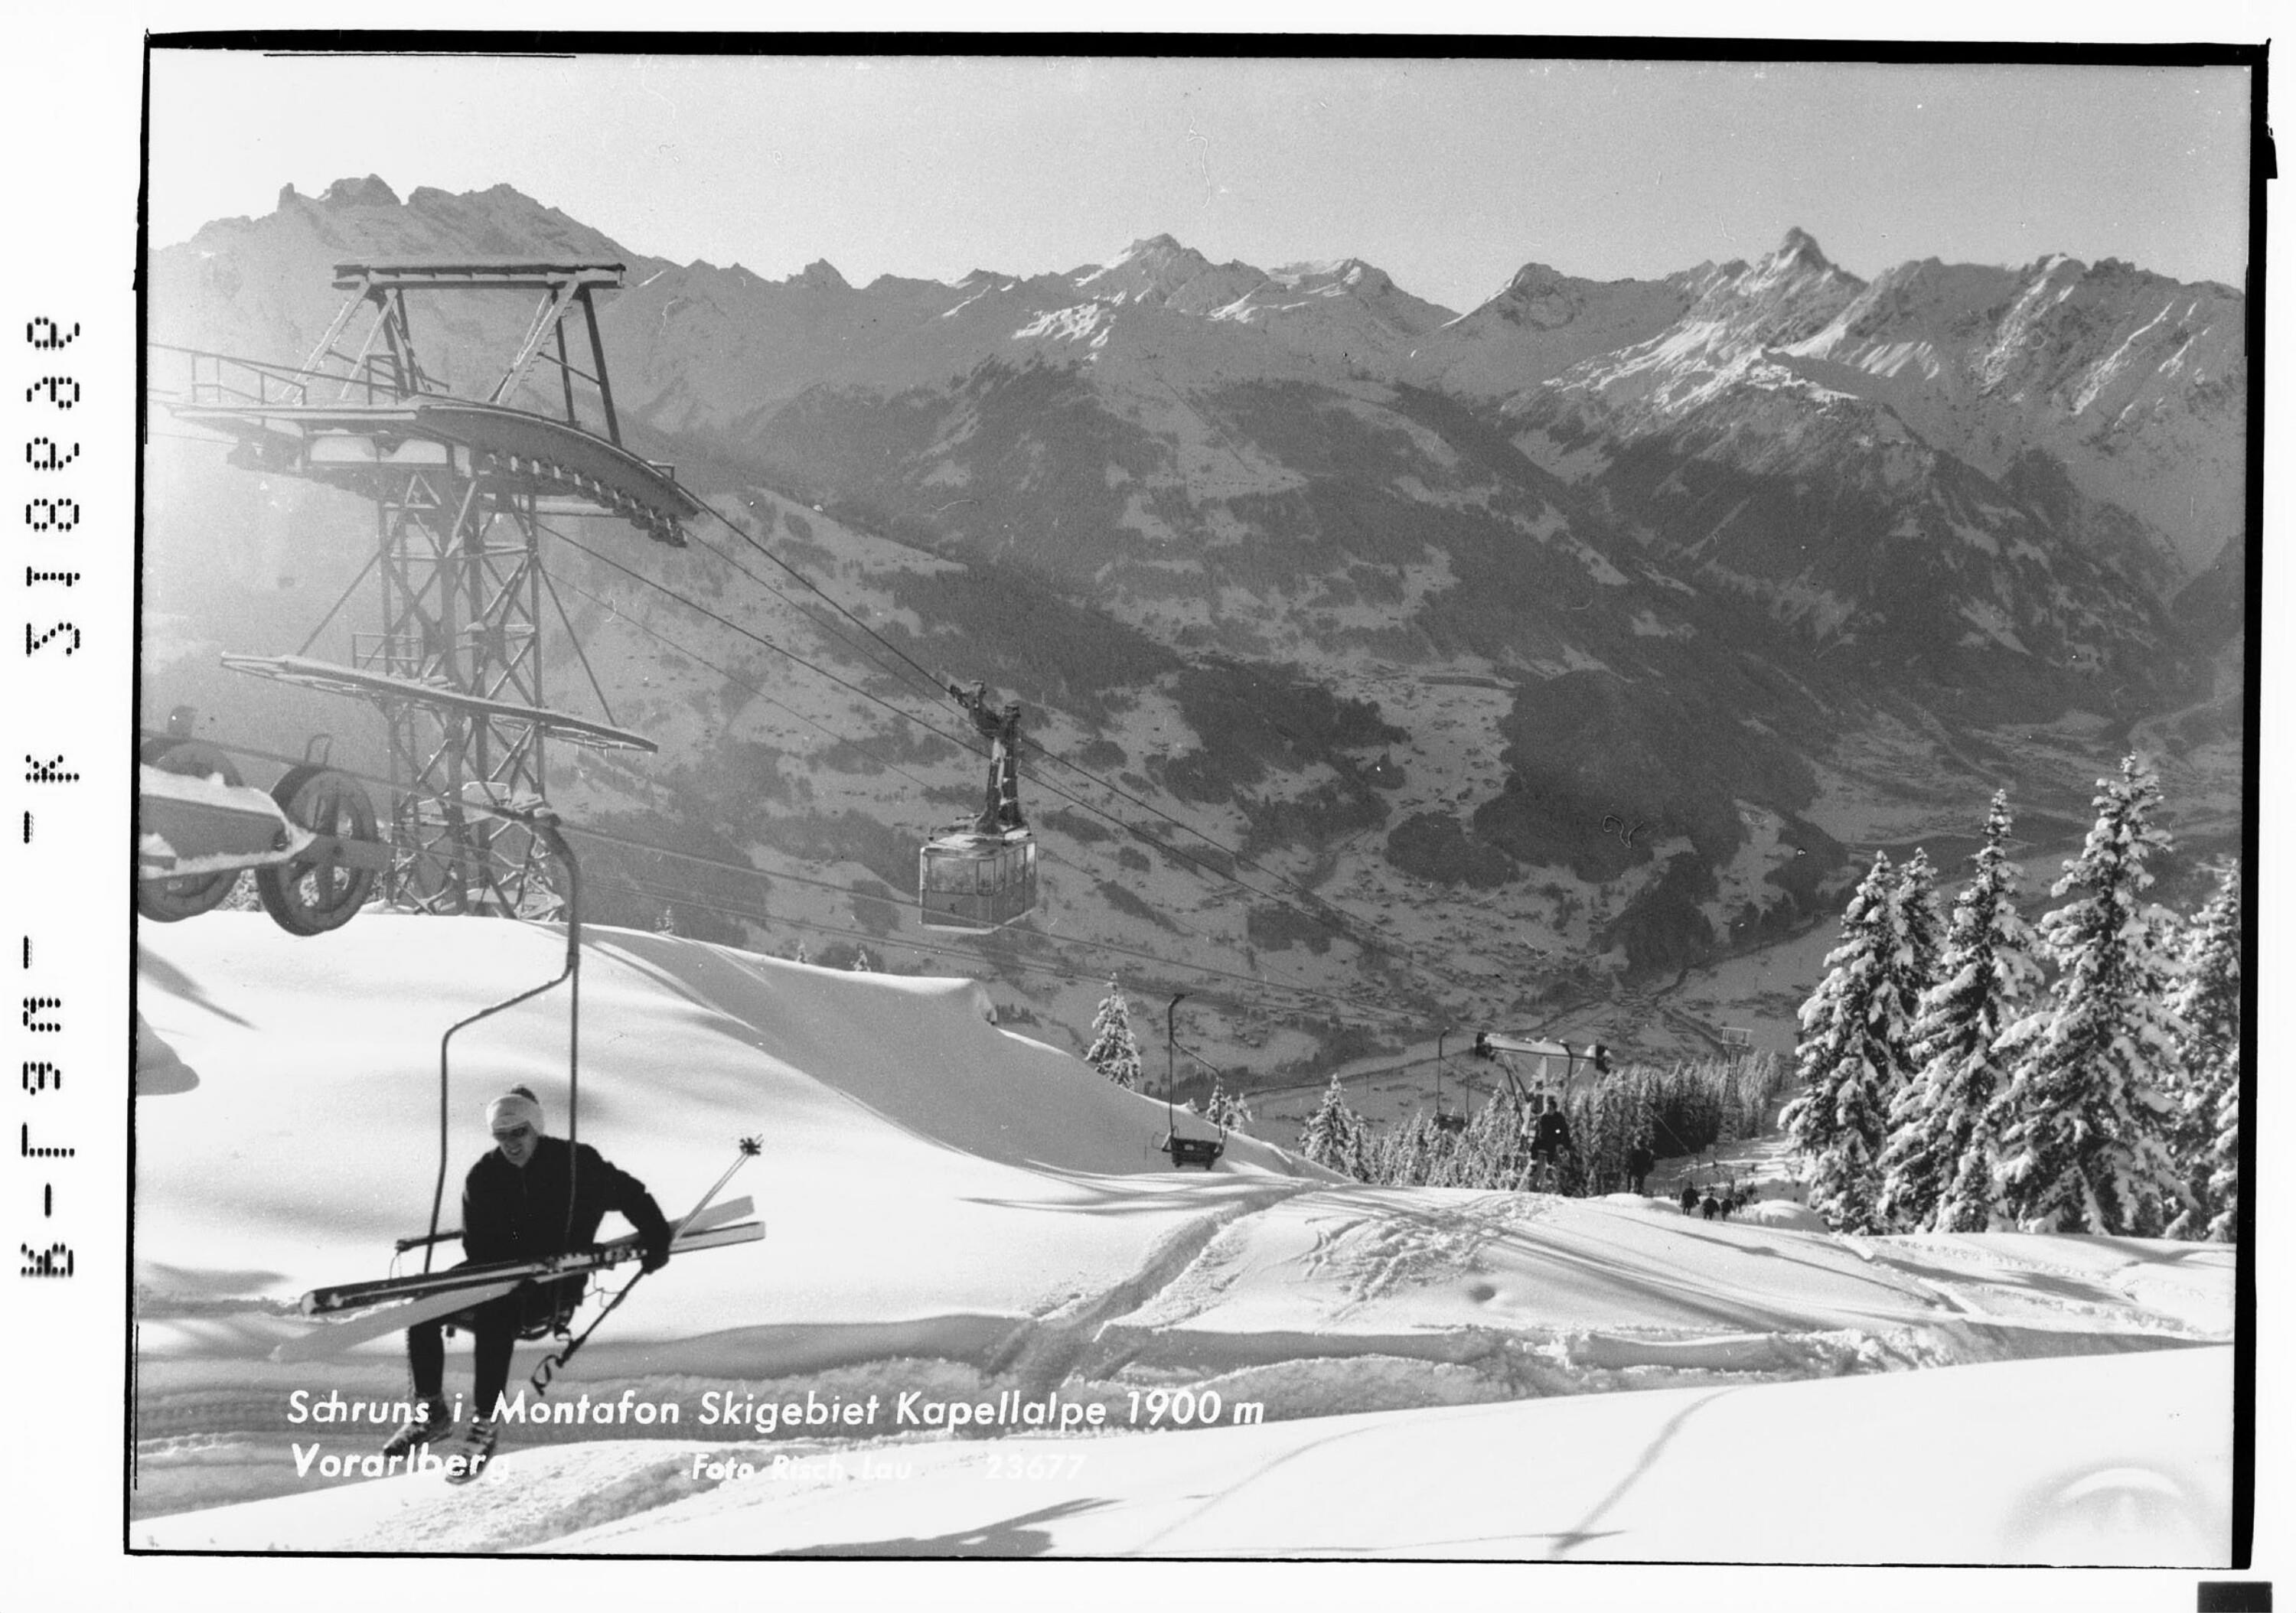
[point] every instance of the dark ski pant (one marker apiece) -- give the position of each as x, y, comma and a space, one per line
494, 1327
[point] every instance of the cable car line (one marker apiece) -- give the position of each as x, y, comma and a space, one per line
796, 606
1129, 828
758, 638
1071, 974
1086, 942
575, 639
1322, 913
1277, 984
703, 660
1336, 923
930, 677
760, 916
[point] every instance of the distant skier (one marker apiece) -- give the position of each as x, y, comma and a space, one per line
1550, 1137
1639, 1161
1709, 1206
533, 1195
1689, 1198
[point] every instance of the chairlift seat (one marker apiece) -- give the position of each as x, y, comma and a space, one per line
1199, 1151
546, 1305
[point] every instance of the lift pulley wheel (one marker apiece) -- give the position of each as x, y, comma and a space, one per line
319, 890
168, 901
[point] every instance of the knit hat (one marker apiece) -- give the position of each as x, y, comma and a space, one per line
517, 1104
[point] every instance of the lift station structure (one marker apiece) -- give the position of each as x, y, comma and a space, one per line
461, 485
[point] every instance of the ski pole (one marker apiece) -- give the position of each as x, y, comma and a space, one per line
549, 1366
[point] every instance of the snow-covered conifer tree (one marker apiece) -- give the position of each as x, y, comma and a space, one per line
2206, 1132
1113, 1052
1225, 1109
2085, 1115
1913, 911
1937, 1167
1852, 1058
1333, 1136
2224, 1183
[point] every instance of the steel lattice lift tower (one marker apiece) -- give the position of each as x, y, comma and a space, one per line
461, 485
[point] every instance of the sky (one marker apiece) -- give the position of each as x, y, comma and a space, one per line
1448, 174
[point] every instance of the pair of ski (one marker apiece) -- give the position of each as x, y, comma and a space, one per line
390, 1305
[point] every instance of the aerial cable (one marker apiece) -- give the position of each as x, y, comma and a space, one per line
797, 606
1321, 912
1269, 991
703, 660
575, 639
373, 557
930, 677
670, 893
1132, 829
1058, 969
758, 638
1037, 746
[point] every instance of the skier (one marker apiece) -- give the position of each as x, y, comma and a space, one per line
1689, 1198
1709, 1206
1551, 1138
1639, 1161
533, 1195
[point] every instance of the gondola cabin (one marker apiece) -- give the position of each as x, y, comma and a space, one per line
972, 882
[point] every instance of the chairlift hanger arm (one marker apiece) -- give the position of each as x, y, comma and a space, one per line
1490, 1044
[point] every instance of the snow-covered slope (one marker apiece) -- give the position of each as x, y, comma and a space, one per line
960, 1213
2113, 1461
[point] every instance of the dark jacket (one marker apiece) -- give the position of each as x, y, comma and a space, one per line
1552, 1135
514, 1212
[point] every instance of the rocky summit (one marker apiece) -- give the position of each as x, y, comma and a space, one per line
1511, 659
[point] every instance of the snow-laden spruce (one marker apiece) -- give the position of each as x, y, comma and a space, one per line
1334, 1134
1225, 1109
2206, 1131
2085, 1115
1852, 1056
1113, 1052
1913, 909
1937, 1168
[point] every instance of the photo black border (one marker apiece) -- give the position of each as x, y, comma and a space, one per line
534, 44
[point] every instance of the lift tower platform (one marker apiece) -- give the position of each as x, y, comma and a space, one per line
460, 485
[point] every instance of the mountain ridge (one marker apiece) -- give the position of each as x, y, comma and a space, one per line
1668, 551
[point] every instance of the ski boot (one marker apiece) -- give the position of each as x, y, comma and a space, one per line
476, 1450
432, 1425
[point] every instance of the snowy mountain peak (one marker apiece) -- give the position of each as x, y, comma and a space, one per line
820, 276
1536, 280
1800, 246
368, 193
1152, 271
